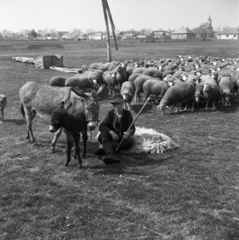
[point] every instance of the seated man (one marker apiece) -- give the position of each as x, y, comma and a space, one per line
113, 129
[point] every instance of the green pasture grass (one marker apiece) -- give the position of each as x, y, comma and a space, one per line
190, 193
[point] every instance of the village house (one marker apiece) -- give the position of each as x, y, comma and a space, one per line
129, 36
96, 36
227, 34
183, 34
82, 36
160, 34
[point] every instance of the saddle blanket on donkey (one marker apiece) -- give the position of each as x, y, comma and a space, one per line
148, 140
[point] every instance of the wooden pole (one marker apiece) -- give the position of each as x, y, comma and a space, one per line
117, 149
112, 24
107, 30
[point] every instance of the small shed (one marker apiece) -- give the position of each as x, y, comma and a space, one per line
47, 61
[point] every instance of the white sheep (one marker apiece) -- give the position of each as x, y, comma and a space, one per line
127, 91
210, 92
182, 92
155, 87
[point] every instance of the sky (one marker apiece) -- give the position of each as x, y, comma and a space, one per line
66, 15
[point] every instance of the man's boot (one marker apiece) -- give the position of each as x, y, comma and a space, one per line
100, 151
110, 157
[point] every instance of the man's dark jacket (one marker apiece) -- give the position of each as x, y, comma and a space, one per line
119, 128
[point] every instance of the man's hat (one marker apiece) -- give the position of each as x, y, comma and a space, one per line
117, 98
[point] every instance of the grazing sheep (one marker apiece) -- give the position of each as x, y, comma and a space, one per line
3, 103
81, 82
225, 89
133, 76
58, 81
73, 125
109, 81
94, 74
153, 73
127, 91
138, 85
198, 96
210, 92
120, 75
155, 87
180, 93
140, 70
101, 66
166, 72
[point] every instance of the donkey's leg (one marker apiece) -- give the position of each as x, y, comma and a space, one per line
84, 137
68, 149
77, 149
56, 136
30, 114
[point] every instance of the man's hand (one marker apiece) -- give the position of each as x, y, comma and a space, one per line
114, 135
126, 135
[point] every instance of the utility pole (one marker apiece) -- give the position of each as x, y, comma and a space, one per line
106, 11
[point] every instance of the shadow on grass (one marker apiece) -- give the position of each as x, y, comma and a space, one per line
127, 161
17, 121
137, 107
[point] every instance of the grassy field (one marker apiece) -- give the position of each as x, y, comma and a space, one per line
191, 193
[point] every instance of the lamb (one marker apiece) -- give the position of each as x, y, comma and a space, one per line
73, 125
225, 89
127, 91
210, 92
81, 82
138, 85
155, 87
58, 81
179, 93
3, 103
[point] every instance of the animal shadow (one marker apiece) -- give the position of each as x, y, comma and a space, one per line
129, 161
17, 121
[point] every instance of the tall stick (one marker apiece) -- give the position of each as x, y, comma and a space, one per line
112, 24
107, 30
117, 149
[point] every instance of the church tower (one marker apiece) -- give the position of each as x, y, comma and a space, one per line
209, 21
210, 31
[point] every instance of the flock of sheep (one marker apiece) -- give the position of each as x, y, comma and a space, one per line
179, 82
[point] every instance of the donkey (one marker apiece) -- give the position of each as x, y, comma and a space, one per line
43, 100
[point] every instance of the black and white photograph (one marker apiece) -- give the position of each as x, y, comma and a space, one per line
119, 120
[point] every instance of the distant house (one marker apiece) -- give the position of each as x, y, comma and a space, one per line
228, 34
129, 36
183, 34
52, 36
96, 36
82, 36
160, 34
141, 36
67, 36
61, 34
